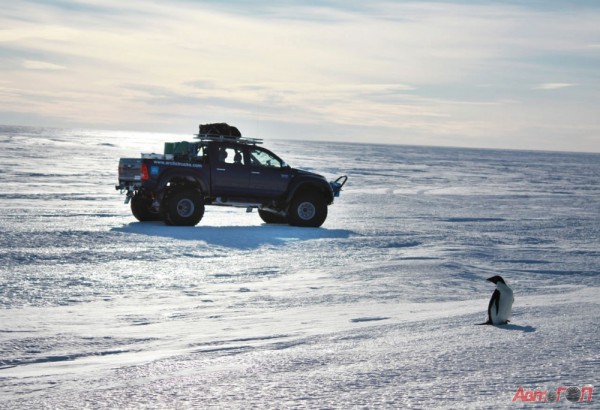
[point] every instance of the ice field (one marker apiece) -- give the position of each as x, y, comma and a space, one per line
376, 309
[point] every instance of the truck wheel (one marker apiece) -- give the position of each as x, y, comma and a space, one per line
308, 209
184, 208
271, 218
142, 210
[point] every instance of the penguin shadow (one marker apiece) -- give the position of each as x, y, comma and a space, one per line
510, 326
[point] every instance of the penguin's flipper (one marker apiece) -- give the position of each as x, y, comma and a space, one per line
494, 302
496, 298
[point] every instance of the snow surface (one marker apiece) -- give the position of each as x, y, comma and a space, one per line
376, 309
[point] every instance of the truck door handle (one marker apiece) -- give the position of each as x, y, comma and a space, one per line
221, 169
256, 172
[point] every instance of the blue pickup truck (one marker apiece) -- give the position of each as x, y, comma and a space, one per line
222, 168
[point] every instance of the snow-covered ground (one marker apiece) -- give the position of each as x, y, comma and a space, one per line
375, 309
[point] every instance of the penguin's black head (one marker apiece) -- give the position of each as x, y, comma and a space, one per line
496, 279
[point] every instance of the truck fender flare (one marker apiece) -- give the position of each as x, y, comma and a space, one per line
311, 186
180, 176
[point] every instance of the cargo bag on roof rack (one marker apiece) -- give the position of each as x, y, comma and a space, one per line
220, 129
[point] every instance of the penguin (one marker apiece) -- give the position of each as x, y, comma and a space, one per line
500, 307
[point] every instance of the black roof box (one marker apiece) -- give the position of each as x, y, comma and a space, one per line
219, 129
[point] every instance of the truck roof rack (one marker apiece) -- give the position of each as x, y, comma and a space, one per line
228, 138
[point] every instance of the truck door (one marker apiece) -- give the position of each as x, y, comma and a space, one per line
269, 176
230, 176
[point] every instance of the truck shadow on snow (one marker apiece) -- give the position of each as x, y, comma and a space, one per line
238, 237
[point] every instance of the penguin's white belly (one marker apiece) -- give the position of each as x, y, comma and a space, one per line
504, 306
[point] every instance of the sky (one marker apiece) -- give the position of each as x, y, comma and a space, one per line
490, 74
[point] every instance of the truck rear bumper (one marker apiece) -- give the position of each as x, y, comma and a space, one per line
128, 188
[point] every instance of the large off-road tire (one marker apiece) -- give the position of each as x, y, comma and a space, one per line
272, 218
183, 208
308, 209
142, 210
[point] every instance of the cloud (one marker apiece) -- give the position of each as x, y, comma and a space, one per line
554, 86
31, 31
41, 65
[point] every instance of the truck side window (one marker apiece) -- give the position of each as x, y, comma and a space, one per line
201, 154
230, 155
262, 158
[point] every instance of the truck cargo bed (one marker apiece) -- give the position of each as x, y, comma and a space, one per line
129, 170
